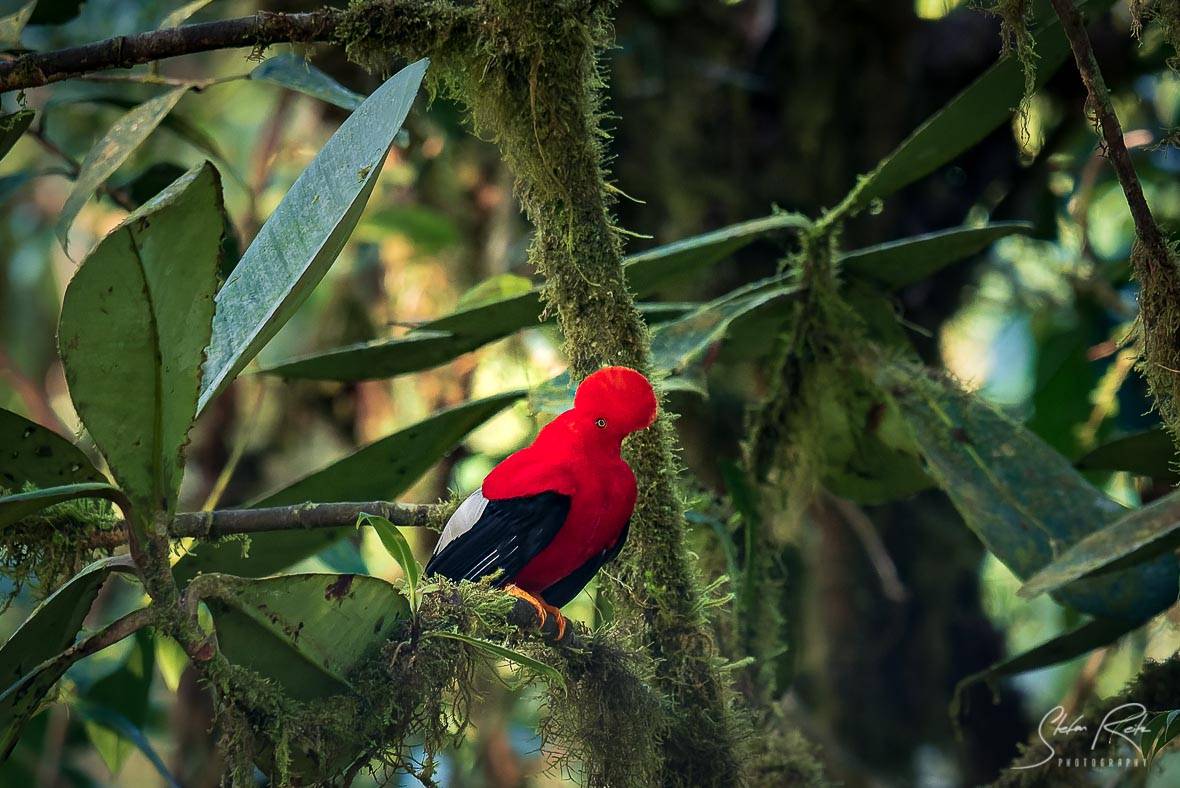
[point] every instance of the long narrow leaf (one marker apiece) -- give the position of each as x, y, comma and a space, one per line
109, 153
17, 507
305, 234
397, 546
497, 651
1134, 539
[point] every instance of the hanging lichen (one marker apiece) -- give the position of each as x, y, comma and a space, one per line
46, 548
1166, 14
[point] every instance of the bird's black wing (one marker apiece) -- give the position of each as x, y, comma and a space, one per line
561, 592
497, 535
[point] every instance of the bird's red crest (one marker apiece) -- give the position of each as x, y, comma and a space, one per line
620, 395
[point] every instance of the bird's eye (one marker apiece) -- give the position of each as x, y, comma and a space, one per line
600, 424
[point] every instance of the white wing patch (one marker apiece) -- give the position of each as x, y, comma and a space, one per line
466, 516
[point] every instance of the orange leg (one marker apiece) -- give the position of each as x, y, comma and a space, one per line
543, 609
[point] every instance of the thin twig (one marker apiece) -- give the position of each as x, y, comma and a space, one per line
1111, 130
257, 31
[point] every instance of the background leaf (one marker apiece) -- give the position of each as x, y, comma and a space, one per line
48, 631
12, 127
1138, 537
1147, 453
301, 239
134, 325
109, 153
899, 263
1019, 496
13, 25
294, 72
21, 505
124, 693
55, 12
382, 470
973, 114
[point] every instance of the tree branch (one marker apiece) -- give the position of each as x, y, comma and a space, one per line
228, 522
258, 31
1110, 128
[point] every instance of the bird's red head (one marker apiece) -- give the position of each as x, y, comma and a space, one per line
616, 400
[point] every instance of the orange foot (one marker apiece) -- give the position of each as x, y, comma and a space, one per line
543, 609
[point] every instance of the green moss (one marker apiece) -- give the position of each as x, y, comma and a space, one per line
1159, 330
529, 75
47, 548
1166, 14
1016, 38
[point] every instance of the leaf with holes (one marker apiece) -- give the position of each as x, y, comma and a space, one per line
308, 632
304, 235
134, 326
109, 153
30, 453
382, 470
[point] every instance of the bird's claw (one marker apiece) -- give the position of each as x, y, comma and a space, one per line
543, 608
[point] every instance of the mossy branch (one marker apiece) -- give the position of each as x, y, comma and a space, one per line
1152, 258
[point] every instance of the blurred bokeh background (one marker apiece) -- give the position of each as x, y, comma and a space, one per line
721, 110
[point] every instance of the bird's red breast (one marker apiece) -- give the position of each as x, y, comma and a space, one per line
573, 476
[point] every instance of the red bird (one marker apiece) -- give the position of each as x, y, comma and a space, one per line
550, 515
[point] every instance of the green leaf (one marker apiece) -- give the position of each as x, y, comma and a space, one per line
1133, 539
382, 470
11, 184
1148, 453
134, 326
302, 238
55, 12
181, 15
296, 73
397, 546
493, 289
125, 693
973, 114
441, 340
155, 179
17, 507
308, 632
30, 453
174, 122
429, 231
649, 270
99, 719
13, 25
1095, 633
12, 127
1021, 498
1161, 731
109, 153
899, 263
498, 651
679, 347
30, 661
